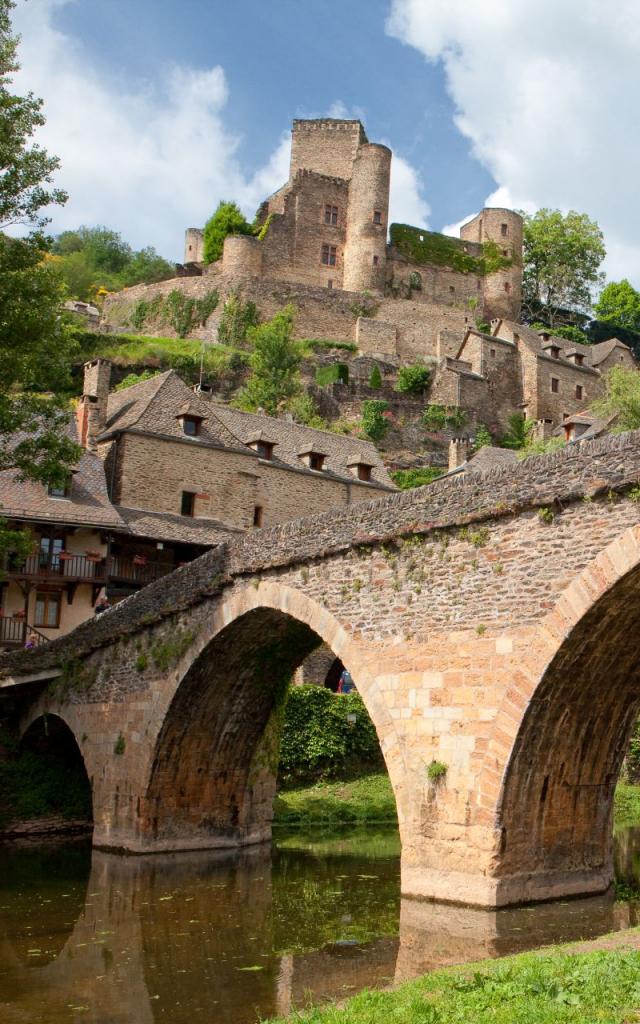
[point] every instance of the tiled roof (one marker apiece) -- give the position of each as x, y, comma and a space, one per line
603, 349
491, 458
88, 503
181, 529
153, 406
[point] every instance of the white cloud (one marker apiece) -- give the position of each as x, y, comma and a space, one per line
407, 204
547, 95
148, 162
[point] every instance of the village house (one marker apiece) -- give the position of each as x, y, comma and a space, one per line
166, 474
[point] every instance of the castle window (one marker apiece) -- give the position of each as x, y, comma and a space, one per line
331, 214
329, 255
504, 230
48, 605
555, 385
375, 261
257, 516
188, 503
579, 392
377, 217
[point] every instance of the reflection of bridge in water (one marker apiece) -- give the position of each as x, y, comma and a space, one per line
170, 937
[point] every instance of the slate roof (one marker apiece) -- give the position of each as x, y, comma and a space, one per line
166, 526
153, 406
593, 354
87, 505
603, 349
488, 458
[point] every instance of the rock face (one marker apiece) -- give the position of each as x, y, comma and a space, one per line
489, 622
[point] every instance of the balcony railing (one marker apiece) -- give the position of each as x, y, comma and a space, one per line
63, 566
129, 569
14, 632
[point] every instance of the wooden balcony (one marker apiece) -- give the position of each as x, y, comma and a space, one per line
134, 571
13, 633
64, 567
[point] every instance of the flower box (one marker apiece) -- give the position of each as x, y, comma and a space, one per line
65, 556
139, 559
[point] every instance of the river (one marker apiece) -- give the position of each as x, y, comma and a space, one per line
96, 938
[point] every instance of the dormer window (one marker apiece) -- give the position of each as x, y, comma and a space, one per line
191, 426
312, 459
265, 450
60, 490
360, 469
190, 419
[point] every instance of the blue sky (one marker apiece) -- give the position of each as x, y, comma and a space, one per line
159, 108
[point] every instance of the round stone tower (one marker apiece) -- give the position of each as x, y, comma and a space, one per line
367, 220
502, 291
242, 256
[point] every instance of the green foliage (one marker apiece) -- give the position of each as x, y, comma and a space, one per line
142, 662
303, 409
91, 260
135, 378
621, 399
176, 310
619, 304
436, 770
562, 257
406, 479
518, 432
169, 651
34, 785
264, 228
368, 798
237, 318
483, 438
541, 447
119, 746
375, 377
631, 767
374, 423
412, 380
275, 363
332, 374
228, 219
546, 515
437, 417
36, 342
328, 343
627, 795
433, 249
317, 739
571, 333
366, 306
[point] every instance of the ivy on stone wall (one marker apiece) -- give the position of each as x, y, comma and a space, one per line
176, 310
374, 423
432, 248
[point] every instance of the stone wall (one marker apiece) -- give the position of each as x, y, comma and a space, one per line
326, 145
376, 337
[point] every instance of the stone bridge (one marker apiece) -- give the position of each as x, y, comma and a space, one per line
491, 625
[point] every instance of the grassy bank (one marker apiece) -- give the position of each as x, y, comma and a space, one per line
365, 799
556, 987
627, 804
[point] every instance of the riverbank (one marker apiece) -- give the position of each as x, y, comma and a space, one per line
596, 982
368, 798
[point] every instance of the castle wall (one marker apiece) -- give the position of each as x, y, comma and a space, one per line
366, 243
193, 245
502, 290
376, 337
437, 284
499, 362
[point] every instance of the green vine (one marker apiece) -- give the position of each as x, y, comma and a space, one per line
432, 248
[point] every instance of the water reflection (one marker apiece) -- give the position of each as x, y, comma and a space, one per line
215, 937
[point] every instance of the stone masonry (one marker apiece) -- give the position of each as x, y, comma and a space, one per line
489, 624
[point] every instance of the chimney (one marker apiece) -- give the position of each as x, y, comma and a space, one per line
543, 430
92, 411
458, 452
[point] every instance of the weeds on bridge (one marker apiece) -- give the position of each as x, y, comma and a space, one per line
75, 678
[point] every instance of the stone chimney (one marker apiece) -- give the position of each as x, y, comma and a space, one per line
543, 430
92, 410
458, 452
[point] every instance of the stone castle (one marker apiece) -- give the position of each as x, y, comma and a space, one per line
400, 294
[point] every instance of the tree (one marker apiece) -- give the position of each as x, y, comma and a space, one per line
619, 303
90, 259
518, 432
621, 399
275, 363
35, 340
561, 264
227, 220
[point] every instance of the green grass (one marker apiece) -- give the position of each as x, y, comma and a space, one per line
555, 988
365, 799
627, 804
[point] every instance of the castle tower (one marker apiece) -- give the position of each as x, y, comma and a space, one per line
365, 248
326, 146
193, 245
502, 293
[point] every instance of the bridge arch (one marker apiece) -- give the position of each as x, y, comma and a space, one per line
562, 732
212, 769
50, 736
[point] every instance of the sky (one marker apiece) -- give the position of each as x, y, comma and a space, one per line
160, 108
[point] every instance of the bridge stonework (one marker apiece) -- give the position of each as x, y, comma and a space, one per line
490, 624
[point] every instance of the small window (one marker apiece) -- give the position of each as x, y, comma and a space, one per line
579, 359
507, 286
504, 230
492, 351
375, 261
579, 392
316, 461
264, 450
191, 426
331, 214
329, 255
330, 283
364, 472
257, 516
377, 217
555, 385
505, 252
451, 289
188, 503
48, 609
60, 491
478, 284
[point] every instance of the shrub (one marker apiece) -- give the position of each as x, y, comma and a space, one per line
319, 742
436, 770
374, 423
413, 379
228, 219
406, 479
375, 377
434, 417
337, 372
135, 378
236, 319
483, 438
